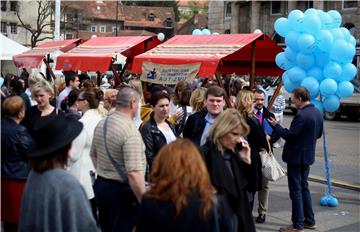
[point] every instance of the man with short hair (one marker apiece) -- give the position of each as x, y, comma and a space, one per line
299, 154
118, 153
261, 114
198, 124
71, 82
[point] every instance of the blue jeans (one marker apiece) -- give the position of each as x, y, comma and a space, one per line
300, 195
117, 205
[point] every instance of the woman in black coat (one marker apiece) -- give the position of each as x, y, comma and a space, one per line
227, 157
157, 131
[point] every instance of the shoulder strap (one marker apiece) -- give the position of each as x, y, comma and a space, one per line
116, 165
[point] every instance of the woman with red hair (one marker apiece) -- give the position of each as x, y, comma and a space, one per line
181, 197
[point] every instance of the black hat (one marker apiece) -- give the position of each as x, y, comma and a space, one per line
54, 133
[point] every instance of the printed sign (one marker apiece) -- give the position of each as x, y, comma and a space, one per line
168, 74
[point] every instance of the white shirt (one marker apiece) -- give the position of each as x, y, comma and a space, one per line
62, 96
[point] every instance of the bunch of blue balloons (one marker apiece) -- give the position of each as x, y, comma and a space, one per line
204, 31
318, 56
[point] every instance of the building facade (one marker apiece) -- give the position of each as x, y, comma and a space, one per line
247, 16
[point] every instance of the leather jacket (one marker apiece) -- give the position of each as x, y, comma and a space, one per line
153, 138
15, 143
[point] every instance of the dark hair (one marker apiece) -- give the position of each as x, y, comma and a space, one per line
93, 96
12, 106
70, 99
88, 84
302, 94
16, 87
185, 97
259, 91
215, 91
44, 163
69, 76
156, 88
156, 96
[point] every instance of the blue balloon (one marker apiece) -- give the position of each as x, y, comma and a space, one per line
291, 40
323, 201
326, 20
305, 61
352, 40
281, 26
348, 72
337, 34
290, 54
331, 103
322, 58
206, 31
312, 85
336, 16
342, 51
332, 201
332, 70
328, 87
324, 40
345, 89
196, 32
296, 20
311, 11
289, 85
306, 43
318, 105
312, 24
316, 72
282, 62
296, 74
346, 33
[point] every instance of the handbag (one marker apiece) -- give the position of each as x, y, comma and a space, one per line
270, 168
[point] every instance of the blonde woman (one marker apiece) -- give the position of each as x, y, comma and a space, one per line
227, 157
257, 141
33, 79
197, 99
42, 92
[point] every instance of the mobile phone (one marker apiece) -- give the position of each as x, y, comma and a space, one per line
239, 146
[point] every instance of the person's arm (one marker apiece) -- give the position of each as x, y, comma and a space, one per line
137, 183
295, 128
93, 154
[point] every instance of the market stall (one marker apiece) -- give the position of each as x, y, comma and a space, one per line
98, 54
189, 56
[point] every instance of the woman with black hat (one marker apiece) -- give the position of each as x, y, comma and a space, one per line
53, 199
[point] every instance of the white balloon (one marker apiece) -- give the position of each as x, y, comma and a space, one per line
161, 36
93, 36
215, 33
257, 31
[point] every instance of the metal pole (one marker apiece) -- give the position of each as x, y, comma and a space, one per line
57, 20
117, 19
252, 73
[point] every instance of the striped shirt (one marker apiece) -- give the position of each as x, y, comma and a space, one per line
124, 143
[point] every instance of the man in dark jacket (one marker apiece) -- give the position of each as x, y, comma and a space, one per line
299, 154
198, 124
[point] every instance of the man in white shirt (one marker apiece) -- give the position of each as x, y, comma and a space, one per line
72, 81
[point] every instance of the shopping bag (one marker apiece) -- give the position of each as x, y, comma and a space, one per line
270, 168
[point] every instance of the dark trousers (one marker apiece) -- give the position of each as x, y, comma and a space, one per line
117, 205
300, 195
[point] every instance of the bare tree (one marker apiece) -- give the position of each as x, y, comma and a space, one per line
44, 11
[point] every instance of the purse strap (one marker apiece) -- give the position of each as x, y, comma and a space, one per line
116, 165
269, 146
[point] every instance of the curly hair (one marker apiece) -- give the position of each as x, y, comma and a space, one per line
177, 172
197, 99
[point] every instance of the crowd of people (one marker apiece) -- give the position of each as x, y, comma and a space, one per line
81, 157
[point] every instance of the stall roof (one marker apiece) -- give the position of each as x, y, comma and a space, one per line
226, 53
33, 57
9, 48
96, 54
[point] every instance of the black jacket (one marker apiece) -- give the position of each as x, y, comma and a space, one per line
15, 143
153, 138
194, 127
231, 185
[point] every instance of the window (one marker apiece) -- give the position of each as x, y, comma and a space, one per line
309, 4
151, 17
349, 4
3, 5
3, 27
228, 10
275, 7
13, 5
13, 28
114, 29
102, 29
168, 22
93, 29
68, 36
227, 31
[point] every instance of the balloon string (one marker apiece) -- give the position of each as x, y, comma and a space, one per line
327, 168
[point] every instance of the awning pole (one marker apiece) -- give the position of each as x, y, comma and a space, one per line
120, 77
49, 71
252, 73
98, 79
221, 84
276, 93
115, 74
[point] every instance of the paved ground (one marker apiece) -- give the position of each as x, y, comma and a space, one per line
343, 218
